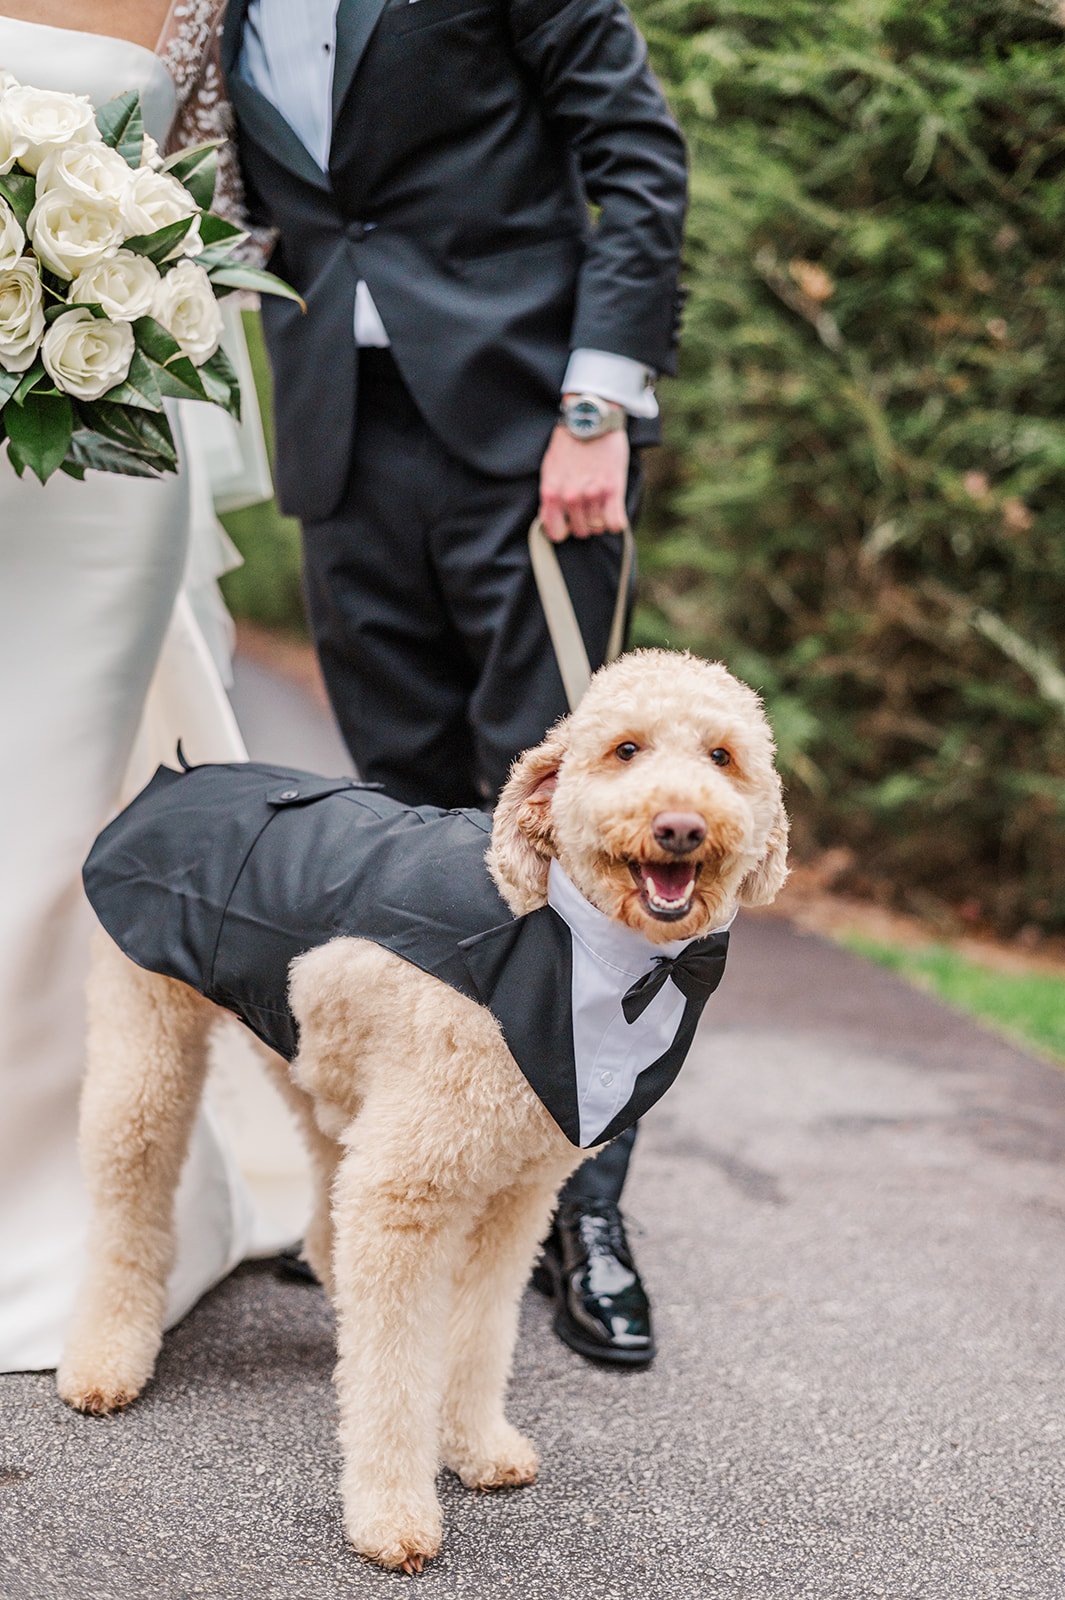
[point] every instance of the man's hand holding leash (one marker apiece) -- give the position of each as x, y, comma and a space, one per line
585, 470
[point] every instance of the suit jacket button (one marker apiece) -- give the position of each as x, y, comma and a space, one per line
289, 794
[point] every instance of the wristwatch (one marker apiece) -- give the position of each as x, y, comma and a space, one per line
586, 417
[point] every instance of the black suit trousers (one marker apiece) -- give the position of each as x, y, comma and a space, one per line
425, 613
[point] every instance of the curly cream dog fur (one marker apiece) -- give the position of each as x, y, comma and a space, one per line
437, 1166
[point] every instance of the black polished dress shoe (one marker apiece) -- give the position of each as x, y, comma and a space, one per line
291, 1265
601, 1307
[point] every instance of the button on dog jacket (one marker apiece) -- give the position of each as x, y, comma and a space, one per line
221, 875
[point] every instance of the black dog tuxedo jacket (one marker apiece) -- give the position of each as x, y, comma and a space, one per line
220, 876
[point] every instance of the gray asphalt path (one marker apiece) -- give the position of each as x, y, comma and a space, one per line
850, 1212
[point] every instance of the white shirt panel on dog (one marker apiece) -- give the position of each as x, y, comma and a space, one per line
610, 1053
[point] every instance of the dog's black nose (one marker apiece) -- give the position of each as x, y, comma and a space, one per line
679, 831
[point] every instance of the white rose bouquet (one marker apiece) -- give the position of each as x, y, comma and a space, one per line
111, 268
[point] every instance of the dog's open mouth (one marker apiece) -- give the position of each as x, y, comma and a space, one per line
666, 887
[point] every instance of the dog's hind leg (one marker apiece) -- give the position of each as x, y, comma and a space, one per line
479, 1443
398, 1235
147, 1049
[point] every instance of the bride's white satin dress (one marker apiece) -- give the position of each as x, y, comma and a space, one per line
103, 666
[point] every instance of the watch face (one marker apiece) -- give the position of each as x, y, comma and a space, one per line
584, 418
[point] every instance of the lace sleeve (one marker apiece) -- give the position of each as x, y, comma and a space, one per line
190, 51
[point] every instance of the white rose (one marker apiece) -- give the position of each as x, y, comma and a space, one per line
21, 314
150, 156
7, 81
153, 200
86, 172
40, 120
9, 145
12, 238
85, 355
71, 234
186, 306
124, 284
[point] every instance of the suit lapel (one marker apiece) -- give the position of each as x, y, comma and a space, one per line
522, 971
232, 28
356, 21
256, 116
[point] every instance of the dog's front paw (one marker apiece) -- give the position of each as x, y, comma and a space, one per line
105, 1372
505, 1460
97, 1390
402, 1540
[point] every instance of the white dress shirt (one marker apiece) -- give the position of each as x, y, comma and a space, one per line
287, 54
609, 1052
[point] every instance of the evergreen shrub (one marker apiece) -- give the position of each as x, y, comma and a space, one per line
861, 504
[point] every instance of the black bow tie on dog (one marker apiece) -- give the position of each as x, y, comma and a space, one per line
696, 972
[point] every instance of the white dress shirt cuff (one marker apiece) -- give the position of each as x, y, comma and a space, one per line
618, 378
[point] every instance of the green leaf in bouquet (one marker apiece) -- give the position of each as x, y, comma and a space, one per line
20, 192
188, 151
91, 449
158, 245
72, 469
175, 374
62, 304
155, 341
216, 230
15, 459
197, 169
221, 383
40, 430
212, 257
140, 387
143, 433
9, 382
220, 239
238, 275
29, 380
180, 380
122, 126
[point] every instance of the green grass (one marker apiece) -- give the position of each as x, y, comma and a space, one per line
1029, 1007
266, 588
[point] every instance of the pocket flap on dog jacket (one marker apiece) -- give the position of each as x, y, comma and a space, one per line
310, 789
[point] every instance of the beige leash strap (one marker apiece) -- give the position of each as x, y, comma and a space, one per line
562, 624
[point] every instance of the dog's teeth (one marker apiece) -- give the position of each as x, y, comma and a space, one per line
662, 902
659, 898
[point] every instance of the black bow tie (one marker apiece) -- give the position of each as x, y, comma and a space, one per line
696, 972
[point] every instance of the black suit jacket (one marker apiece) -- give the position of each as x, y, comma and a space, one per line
469, 137
222, 875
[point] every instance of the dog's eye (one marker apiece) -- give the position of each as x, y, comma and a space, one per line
720, 757
627, 750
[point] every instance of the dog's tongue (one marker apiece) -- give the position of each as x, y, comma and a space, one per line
669, 880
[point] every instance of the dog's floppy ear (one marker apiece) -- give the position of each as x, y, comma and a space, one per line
522, 837
764, 882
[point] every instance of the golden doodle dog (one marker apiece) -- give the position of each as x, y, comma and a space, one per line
436, 1162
